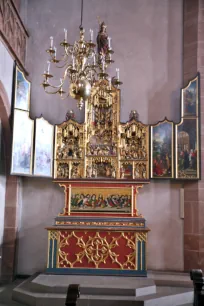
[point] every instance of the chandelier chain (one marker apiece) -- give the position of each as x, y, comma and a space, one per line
82, 6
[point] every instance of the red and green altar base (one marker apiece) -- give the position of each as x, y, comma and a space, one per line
97, 242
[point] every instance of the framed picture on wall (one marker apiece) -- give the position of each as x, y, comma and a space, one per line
43, 156
187, 149
22, 91
22, 144
189, 99
162, 150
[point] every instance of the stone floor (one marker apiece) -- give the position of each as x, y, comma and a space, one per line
6, 295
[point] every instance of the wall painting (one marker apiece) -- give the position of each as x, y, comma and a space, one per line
44, 139
22, 91
162, 157
22, 146
187, 149
189, 103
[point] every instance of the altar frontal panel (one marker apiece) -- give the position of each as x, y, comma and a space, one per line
101, 200
98, 252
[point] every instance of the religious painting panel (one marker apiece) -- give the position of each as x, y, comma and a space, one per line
43, 157
92, 199
22, 91
22, 146
189, 102
162, 150
187, 149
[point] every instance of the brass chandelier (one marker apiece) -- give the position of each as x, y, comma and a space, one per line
82, 64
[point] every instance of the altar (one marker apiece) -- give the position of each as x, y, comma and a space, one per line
101, 164
99, 244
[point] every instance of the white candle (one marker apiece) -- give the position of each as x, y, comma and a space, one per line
117, 73
51, 41
65, 34
73, 61
109, 80
91, 34
55, 51
94, 59
48, 67
103, 63
109, 42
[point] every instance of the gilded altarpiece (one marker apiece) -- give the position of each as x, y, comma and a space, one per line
101, 164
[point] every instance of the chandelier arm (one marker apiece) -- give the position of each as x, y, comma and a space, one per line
65, 64
63, 98
64, 58
55, 87
51, 93
66, 72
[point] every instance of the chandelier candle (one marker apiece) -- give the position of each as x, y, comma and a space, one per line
51, 42
48, 67
91, 35
109, 42
117, 73
65, 35
55, 49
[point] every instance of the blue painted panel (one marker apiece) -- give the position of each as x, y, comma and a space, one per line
50, 253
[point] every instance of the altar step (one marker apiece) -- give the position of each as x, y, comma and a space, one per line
50, 290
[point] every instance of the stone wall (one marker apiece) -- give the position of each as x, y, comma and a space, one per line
8, 184
6, 78
147, 39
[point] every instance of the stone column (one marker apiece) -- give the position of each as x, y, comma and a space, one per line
193, 62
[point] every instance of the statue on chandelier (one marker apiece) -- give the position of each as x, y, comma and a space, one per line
102, 40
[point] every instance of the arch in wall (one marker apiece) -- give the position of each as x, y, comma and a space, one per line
9, 232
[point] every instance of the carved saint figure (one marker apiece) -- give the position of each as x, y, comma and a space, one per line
137, 172
94, 172
122, 171
113, 172
88, 171
102, 40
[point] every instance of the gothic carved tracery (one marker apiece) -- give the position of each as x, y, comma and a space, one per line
12, 30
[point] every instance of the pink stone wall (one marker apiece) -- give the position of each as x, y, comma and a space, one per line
147, 39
